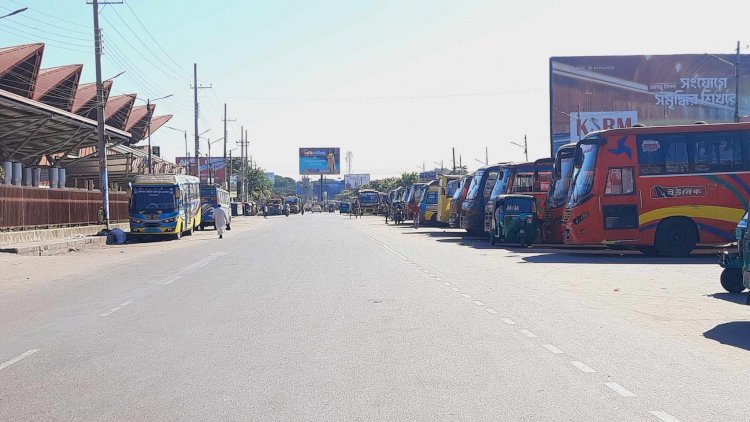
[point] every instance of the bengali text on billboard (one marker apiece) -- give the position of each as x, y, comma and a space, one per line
319, 161
607, 92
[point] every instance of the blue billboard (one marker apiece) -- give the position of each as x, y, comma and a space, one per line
319, 161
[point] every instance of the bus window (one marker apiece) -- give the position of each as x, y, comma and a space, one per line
491, 179
620, 181
715, 152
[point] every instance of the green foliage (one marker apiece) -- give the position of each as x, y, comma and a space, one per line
284, 186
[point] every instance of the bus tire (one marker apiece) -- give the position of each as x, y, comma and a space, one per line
178, 235
648, 250
676, 237
433, 220
731, 280
190, 231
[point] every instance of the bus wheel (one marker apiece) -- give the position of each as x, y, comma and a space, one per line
433, 220
178, 235
648, 250
731, 280
675, 237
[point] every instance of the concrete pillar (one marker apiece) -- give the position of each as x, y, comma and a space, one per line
27, 176
61, 176
53, 177
17, 174
8, 171
36, 176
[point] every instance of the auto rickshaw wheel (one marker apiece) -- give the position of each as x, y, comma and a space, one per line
731, 280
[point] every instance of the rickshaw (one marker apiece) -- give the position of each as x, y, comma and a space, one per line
736, 274
344, 207
514, 220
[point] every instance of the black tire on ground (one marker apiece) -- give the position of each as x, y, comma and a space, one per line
731, 280
676, 237
190, 231
492, 238
178, 235
229, 227
648, 250
433, 220
201, 227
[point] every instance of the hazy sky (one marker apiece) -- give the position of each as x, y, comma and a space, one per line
397, 83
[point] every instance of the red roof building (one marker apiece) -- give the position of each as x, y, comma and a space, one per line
57, 86
84, 103
118, 109
19, 67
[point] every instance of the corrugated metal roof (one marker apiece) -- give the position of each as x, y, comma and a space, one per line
118, 109
84, 102
57, 86
136, 125
19, 67
157, 122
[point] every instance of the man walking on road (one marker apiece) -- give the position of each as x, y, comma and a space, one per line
220, 220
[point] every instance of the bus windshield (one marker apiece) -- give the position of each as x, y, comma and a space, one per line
474, 186
431, 198
502, 183
153, 198
583, 179
459, 191
452, 187
560, 192
368, 197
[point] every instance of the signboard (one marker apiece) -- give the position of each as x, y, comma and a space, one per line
620, 91
319, 161
353, 181
217, 167
428, 175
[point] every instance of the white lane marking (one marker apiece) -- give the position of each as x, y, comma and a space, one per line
17, 358
478, 303
619, 389
117, 308
203, 265
553, 349
583, 367
508, 321
465, 295
447, 284
490, 310
172, 280
664, 416
456, 289
438, 278
527, 333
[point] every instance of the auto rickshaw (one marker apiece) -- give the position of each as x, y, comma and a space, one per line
344, 207
736, 275
514, 220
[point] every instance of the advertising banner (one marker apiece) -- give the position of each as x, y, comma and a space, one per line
319, 161
621, 91
353, 181
218, 169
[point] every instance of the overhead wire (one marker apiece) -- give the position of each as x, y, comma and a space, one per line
11, 22
25, 16
36, 38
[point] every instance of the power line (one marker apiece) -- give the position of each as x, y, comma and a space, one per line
52, 16
187, 74
35, 38
386, 98
24, 16
12, 22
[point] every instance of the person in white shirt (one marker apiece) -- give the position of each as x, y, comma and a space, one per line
220, 220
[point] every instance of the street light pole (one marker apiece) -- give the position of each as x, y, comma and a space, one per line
187, 153
525, 147
15, 12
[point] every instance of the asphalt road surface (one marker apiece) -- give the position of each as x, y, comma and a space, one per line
323, 317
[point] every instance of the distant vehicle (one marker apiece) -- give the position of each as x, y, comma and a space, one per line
369, 201
559, 186
293, 202
430, 197
316, 208
458, 198
344, 208
275, 205
416, 192
331, 207
736, 274
211, 195
165, 204
473, 207
661, 190
448, 185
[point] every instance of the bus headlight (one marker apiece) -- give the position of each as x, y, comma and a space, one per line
170, 220
135, 221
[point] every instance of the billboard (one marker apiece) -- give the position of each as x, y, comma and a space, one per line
319, 161
353, 181
218, 169
605, 92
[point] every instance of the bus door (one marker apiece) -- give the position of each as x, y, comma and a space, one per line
619, 203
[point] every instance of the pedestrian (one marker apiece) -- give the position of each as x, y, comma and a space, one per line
220, 220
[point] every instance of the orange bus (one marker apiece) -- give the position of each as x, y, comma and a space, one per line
661, 190
558, 193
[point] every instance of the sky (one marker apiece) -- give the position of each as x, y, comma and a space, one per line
397, 83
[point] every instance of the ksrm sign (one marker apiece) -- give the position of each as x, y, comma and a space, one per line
581, 124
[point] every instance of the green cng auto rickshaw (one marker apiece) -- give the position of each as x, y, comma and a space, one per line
514, 220
736, 275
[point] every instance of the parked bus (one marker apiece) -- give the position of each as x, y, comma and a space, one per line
448, 186
416, 192
212, 195
472, 208
661, 190
458, 198
293, 202
369, 201
431, 198
528, 179
558, 192
165, 204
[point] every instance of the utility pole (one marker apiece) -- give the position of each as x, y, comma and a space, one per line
226, 136
737, 85
486, 157
454, 160
525, 147
247, 152
102, 148
195, 88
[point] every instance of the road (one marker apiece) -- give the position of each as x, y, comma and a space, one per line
323, 317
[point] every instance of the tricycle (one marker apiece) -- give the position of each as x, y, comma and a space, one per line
514, 220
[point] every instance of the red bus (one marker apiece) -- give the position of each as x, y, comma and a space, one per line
527, 178
661, 190
558, 194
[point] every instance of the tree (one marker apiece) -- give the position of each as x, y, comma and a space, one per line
284, 186
408, 179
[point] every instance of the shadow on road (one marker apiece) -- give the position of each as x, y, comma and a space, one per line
735, 334
738, 298
607, 257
